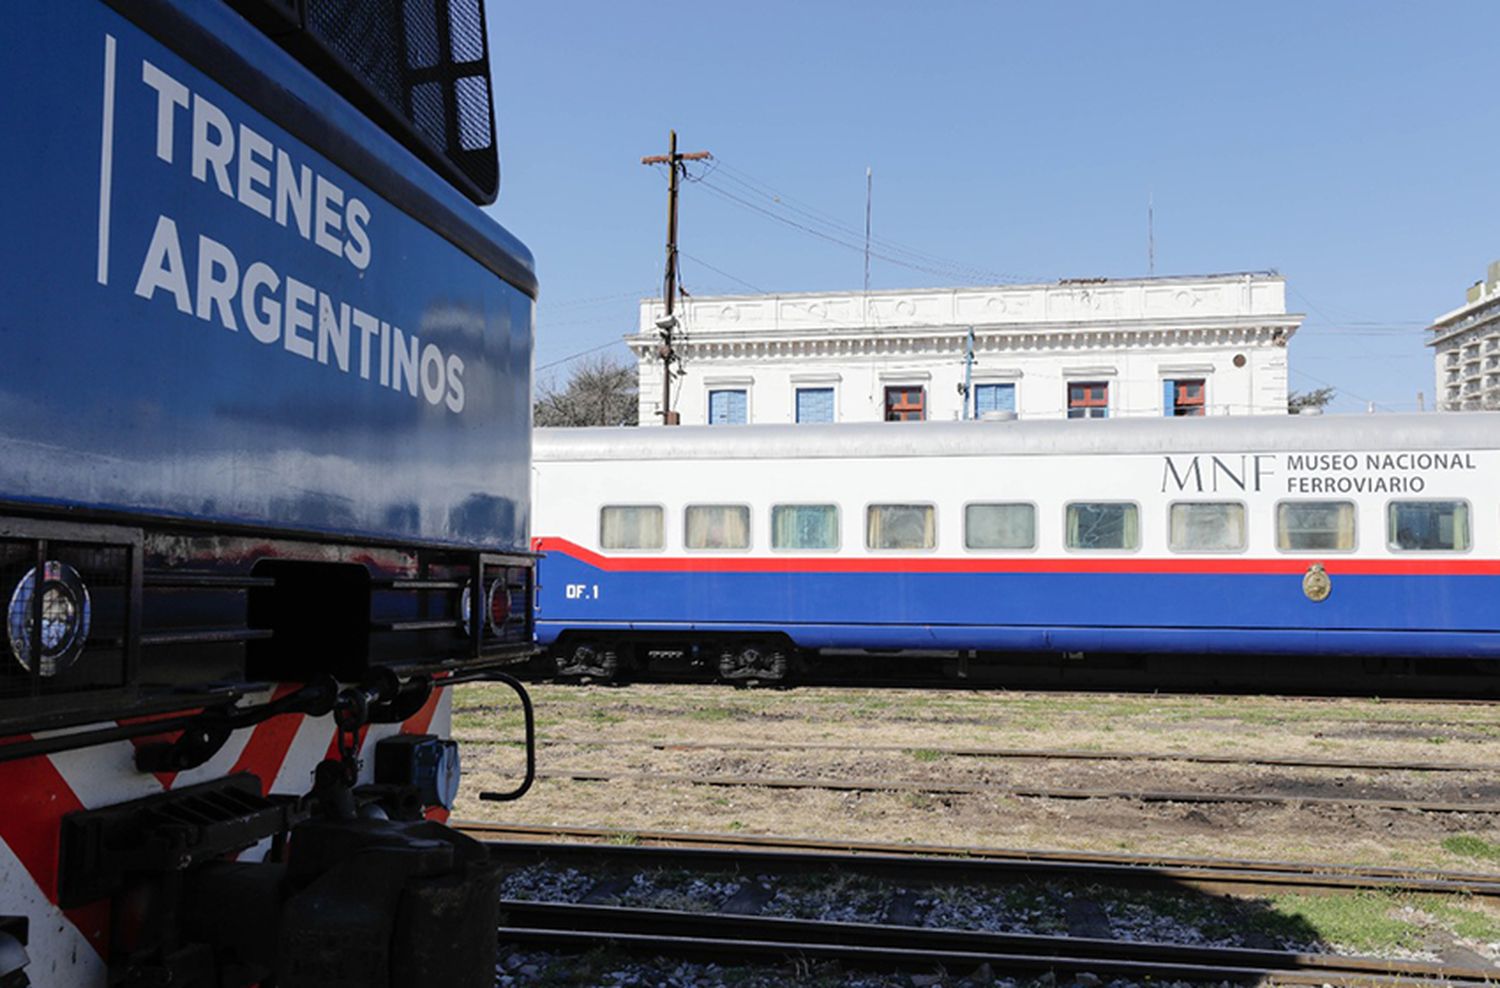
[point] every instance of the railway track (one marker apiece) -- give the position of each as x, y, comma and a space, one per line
934, 788
723, 938
732, 931
1025, 754
918, 863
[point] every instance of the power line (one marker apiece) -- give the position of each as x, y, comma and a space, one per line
842, 229
576, 303
574, 356
735, 278
821, 235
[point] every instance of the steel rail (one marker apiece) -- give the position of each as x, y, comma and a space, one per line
1028, 792
921, 869
720, 936
1017, 754
1464, 883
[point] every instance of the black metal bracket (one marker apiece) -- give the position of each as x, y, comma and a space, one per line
169, 832
205, 733
527, 712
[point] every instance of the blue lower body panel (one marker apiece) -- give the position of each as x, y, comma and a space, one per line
1230, 613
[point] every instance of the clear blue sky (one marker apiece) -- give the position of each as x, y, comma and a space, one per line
1353, 147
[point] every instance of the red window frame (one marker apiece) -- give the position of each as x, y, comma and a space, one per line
905, 403
1086, 397
1189, 397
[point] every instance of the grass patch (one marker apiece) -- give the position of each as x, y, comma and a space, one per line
1470, 924
1470, 846
1363, 921
925, 754
711, 713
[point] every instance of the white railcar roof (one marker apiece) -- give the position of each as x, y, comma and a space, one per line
1214, 434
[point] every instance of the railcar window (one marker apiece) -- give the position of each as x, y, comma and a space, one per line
1427, 526
717, 526
900, 526
1315, 525
631, 526
1000, 526
1103, 526
804, 526
1208, 527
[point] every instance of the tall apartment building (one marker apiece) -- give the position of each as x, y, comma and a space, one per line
1466, 349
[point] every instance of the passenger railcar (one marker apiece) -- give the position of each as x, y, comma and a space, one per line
738, 546
264, 451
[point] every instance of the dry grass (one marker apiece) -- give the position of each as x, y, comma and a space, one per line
924, 722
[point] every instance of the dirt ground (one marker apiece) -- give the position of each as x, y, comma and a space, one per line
581, 725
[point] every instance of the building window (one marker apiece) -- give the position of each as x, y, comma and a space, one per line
1208, 527
1088, 400
814, 404
728, 407
994, 398
1103, 526
1000, 526
1434, 526
716, 526
1326, 526
1183, 398
905, 404
804, 526
633, 526
900, 526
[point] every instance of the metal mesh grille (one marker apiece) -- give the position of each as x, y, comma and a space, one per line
427, 61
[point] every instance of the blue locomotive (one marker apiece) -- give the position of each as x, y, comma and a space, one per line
264, 447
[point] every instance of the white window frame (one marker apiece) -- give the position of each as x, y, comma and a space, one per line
1140, 523
1276, 524
749, 525
838, 525
864, 525
1198, 552
665, 529
1385, 522
1036, 525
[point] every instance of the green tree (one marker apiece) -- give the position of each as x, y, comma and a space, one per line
1317, 398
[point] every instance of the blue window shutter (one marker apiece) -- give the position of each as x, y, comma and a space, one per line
994, 398
727, 408
814, 404
1169, 398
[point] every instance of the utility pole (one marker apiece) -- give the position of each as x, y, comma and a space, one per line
869, 191
1150, 235
967, 386
668, 322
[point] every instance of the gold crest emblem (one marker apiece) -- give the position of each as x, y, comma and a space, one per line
1316, 584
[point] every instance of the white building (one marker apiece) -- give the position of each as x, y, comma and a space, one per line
1211, 344
1466, 349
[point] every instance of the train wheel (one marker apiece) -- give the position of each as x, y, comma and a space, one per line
592, 661
752, 664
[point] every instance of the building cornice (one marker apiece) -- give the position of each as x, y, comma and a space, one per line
1083, 302
1229, 331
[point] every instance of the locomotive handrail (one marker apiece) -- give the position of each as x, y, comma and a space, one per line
521, 790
